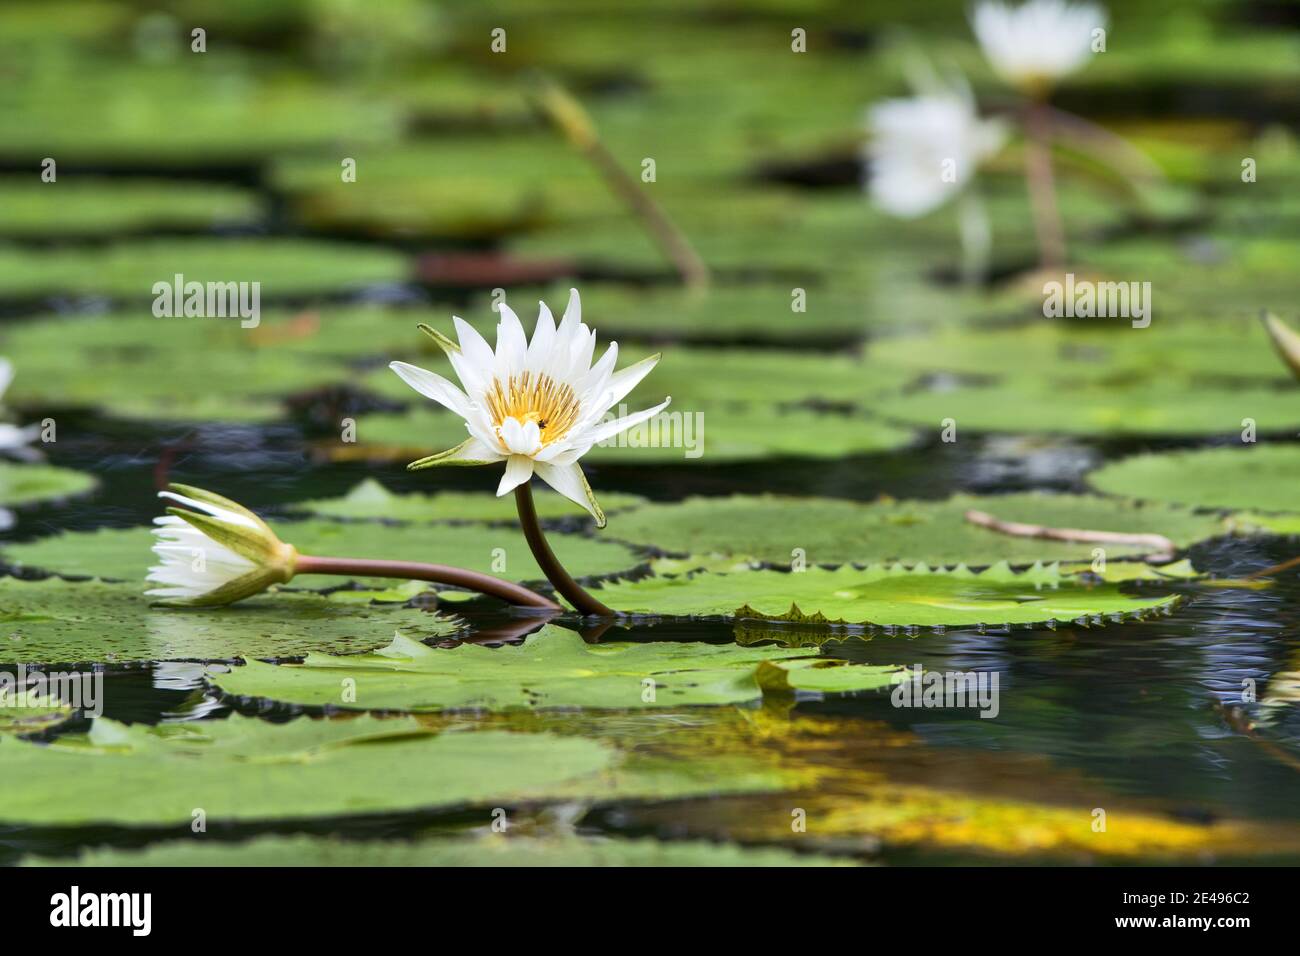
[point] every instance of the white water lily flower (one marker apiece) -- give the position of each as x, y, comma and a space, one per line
13, 437
1037, 43
923, 150
538, 406
214, 551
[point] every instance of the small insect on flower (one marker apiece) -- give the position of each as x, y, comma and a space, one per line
214, 551
538, 406
1034, 45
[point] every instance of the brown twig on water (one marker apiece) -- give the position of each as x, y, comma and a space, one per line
1162, 548
548, 562
567, 115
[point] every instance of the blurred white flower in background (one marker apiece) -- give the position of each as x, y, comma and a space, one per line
1034, 45
925, 149
14, 438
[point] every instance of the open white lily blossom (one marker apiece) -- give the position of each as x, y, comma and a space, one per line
925, 149
536, 405
1035, 44
214, 551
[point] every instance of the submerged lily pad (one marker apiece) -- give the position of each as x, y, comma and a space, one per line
57, 621
1253, 477
370, 499
242, 768
881, 596
495, 850
24, 484
552, 668
124, 553
32, 715
833, 531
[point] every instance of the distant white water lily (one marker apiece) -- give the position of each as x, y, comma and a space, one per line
13, 438
214, 551
925, 149
538, 406
1035, 44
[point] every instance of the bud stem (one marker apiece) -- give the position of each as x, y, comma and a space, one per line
548, 562
417, 571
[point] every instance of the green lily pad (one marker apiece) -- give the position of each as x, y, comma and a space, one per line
552, 668
701, 435
24, 484
881, 596
1155, 409
703, 377
832, 531
127, 270
495, 850
56, 621
242, 768
33, 716
1114, 352
112, 207
1252, 477
124, 553
370, 499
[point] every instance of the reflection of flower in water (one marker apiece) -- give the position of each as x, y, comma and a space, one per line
184, 676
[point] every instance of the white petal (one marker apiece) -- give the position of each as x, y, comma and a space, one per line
624, 380
607, 430
474, 346
512, 344
519, 468
6, 375
434, 386
539, 349
569, 481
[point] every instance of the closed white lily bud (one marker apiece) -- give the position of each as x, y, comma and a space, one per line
214, 551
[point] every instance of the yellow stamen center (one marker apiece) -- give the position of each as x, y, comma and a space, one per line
529, 397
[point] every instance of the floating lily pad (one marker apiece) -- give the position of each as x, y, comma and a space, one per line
552, 668
25, 484
124, 553
496, 850
1253, 477
1092, 350
129, 270
1156, 409
781, 530
56, 621
242, 768
702, 434
370, 499
696, 377
779, 313
881, 596
86, 207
